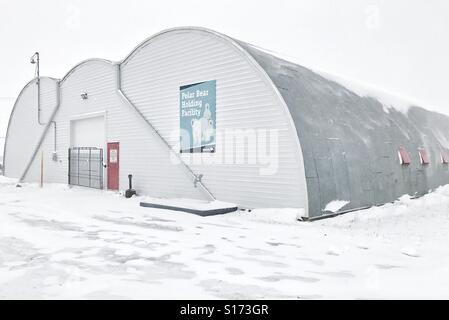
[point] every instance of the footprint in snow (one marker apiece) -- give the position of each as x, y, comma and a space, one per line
410, 251
333, 251
387, 266
234, 271
362, 246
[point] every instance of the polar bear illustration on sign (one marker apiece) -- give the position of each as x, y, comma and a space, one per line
203, 128
196, 132
207, 113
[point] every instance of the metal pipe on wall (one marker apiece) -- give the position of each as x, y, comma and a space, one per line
54, 142
196, 178
41, 139
38, 81
39, 98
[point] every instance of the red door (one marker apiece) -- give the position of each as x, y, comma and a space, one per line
113, 165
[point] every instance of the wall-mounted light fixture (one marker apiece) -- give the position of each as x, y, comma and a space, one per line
84, 96
35, 60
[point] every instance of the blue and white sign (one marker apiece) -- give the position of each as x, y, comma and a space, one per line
197, 116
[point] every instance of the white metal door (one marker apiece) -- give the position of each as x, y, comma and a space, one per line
88, 132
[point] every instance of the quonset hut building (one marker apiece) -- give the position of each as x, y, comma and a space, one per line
179, 110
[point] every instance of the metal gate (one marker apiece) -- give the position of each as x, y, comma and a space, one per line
86, 167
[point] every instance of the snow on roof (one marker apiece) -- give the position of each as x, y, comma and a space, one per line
388, 99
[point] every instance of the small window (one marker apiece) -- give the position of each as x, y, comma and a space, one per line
444, 156
404, 156
423, 156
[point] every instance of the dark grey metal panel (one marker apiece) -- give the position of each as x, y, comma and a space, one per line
204, 213
350, 143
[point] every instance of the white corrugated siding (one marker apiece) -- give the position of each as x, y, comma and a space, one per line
151, 78
24, 131
48, 99
141, 153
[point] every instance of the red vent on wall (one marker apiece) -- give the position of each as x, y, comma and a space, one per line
423, 156
444, 157
404, 156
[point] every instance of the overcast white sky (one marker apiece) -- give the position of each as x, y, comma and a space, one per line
399, 45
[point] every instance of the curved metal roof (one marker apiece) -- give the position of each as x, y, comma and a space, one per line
148, 40
80, 64
14, 108
350, 143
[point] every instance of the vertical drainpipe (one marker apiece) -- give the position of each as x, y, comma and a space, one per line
39, 99
39, 109
54, 138
44, 133
195, 178
38, 90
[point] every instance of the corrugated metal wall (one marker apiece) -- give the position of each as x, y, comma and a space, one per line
141, 153
151, 78
350, 144
23, 130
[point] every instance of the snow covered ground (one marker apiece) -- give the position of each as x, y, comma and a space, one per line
61, 242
